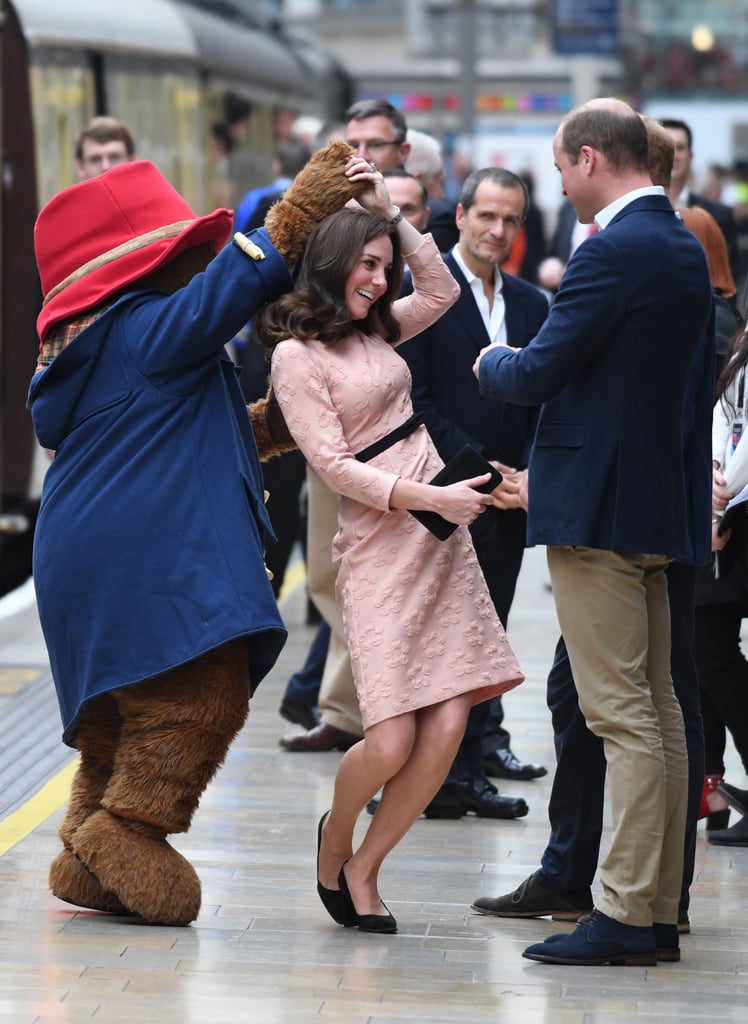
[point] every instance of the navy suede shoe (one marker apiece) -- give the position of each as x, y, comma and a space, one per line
599, 940
667, 943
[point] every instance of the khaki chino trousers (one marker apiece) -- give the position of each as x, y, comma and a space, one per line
615, 618
337, 699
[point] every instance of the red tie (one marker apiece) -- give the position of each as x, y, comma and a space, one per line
592, 229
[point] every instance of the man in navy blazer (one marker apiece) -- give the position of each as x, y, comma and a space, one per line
561, 887
492, 306
611, 493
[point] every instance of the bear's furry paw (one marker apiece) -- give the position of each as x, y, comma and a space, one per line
133, 861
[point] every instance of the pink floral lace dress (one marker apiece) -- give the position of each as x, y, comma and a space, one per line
418, 617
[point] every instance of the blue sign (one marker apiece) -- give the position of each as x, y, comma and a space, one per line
585, 26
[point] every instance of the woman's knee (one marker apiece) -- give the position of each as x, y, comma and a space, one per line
390, 743
443, 725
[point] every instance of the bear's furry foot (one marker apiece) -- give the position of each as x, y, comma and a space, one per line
134, 862
70, 882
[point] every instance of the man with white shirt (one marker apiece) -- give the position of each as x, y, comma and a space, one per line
682, 195
492, 307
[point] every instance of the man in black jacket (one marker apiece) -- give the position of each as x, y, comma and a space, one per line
492, 306
681, 194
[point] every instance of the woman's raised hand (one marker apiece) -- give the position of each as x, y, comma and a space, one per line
375, 197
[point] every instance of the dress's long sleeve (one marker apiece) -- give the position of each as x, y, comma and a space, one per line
434, 290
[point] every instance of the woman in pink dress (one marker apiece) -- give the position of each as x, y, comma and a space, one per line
424, 639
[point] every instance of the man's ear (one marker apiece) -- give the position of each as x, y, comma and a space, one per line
588, 158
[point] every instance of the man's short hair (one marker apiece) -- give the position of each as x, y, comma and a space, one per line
678, 125
292, 155
661, 152
101, 130
616, 132
425, 156
379, 108
400, 172
499, 176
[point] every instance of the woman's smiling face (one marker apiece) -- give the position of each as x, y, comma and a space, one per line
367, 282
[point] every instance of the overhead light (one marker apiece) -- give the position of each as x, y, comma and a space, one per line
702, 38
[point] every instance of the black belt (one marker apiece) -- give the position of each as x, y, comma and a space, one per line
388, 440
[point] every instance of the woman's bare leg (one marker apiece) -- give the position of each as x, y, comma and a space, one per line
410, 756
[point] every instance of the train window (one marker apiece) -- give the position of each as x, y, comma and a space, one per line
63, 100
162, 106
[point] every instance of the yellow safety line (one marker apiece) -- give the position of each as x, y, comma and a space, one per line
295, 576
55, 793
37, 809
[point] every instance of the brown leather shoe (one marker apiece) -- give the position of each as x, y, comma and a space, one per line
322, 737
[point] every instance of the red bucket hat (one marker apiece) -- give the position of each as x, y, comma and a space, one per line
96, 237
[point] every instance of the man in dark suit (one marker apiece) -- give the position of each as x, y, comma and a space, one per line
561, 887
682, 195
492, 306
617, 490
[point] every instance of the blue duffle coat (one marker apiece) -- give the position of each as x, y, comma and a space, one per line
149, 544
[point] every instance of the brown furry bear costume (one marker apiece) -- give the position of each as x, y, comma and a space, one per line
157, 630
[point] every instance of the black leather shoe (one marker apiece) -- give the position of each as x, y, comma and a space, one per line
322, 737
736, 798
300, 714
455, 799
478, 796
737, 835
531, 899
502, 764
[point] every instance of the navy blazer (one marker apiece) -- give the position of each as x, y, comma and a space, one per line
445, 389
627, 348
442, 225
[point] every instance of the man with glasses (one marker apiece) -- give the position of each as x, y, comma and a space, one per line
377, 131
104, 143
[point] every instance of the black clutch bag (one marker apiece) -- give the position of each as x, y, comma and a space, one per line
465, 464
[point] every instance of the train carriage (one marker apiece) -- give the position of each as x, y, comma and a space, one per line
206, 98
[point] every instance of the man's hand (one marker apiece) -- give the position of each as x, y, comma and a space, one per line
720, 496
509, 492
497, 344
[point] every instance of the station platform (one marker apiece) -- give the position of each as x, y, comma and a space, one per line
263, 949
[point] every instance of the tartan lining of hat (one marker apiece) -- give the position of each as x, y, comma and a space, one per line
132, 245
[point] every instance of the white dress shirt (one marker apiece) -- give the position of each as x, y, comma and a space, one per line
492, 317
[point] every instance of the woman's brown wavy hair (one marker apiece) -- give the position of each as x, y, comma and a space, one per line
316, 307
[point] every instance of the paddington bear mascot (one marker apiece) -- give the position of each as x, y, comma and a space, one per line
153, 596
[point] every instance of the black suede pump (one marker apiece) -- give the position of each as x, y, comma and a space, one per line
385, 924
